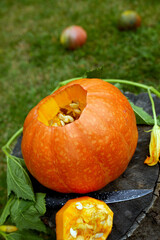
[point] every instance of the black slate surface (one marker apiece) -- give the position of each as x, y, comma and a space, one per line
137, 176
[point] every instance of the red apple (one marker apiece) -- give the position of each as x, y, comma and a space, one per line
73, 37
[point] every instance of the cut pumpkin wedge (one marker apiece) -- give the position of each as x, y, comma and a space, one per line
84, 218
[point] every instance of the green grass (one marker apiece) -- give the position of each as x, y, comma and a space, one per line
32, 61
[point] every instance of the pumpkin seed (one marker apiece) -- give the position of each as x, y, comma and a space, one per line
99, 206
79, 206
78, 111
98, 235
89, 206
103, 222
73, 233
61, 116
74, 105
68, 119
84, 226
62, 123
67, 115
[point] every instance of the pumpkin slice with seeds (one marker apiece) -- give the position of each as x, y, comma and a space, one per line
84, 218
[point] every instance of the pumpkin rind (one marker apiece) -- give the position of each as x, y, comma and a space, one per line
87, 154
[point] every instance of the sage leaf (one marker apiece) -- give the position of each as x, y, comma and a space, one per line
18, 180
142, 117
26, 214
6, 210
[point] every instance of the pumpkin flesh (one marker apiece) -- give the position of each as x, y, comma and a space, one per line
48, 113
84, 218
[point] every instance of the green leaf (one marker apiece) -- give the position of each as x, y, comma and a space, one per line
24, 206
31, 235
26, 214
95, 73
18, 180
158, 120
13, 236
6, 210
119, 86
40, 203
142, 117
22, 235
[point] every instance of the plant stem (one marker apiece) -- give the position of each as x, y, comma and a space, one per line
126, 82
7, 145
140, 85
148, 88
134, 84
69, 80
153, 107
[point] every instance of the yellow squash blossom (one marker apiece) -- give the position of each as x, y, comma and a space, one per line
154, 147
8, 228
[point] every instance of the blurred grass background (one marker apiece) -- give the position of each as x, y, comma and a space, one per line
32, 61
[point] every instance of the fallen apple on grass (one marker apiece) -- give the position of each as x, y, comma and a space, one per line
73, 37
129, 20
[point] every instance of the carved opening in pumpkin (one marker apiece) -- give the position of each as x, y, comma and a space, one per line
64, 107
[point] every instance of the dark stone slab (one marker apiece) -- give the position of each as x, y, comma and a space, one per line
137, 176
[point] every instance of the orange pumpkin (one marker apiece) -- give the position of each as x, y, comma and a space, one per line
81, 137
84, 218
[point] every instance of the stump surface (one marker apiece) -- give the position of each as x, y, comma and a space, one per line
127, 215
